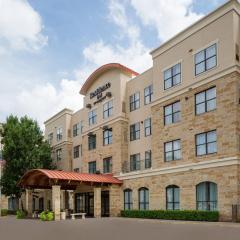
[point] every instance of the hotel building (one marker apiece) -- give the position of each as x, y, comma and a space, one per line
171, 134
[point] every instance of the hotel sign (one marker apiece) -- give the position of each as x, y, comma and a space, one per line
99, 92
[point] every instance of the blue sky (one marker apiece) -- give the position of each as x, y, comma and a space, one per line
49, 47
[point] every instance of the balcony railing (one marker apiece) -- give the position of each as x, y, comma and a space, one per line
139, 165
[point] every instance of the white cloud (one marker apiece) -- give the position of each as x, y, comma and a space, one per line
167, 17
135, 55
20, 26
44, 100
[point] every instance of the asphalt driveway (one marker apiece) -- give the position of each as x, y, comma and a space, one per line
116, 229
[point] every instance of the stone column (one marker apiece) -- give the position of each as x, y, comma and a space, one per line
56, 201
115, 200
45, 200
97, 202
29, 203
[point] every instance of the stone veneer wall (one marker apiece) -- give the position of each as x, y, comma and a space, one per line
226, 178
224, 119
118, 150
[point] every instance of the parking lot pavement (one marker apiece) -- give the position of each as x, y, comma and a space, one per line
115, 228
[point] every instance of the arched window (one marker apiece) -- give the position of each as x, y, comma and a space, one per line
143, 197
172, 197
206, 196
128, 199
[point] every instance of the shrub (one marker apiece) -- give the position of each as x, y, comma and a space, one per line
12, 212
21, 214
47, 216
188, 215
4, 212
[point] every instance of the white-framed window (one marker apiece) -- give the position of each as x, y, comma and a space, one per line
50, 138
107, 137
148, 159
147, 127
76, 129
172, 76
206, 59
108, 109
135, 131
148, 92
134, 101
135, 163
92, 117
59, 134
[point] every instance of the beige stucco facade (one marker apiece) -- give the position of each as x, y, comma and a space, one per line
118, 83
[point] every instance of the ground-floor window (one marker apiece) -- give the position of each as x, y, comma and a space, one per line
143, 196
12, 203
172, 197
206, 196
128, 199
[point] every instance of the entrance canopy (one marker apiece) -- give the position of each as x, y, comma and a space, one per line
45, 179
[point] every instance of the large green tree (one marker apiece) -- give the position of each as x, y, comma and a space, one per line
24, 149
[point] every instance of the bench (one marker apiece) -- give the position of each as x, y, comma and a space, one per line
78, 214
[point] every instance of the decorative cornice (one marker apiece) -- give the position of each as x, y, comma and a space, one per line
181, 168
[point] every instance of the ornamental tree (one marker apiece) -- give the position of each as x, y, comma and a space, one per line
24, 148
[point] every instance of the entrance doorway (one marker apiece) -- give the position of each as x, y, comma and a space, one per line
105, 203
84, 202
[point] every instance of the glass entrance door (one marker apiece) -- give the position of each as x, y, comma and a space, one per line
105, 203
84, 202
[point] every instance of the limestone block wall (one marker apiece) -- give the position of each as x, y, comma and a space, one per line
226, 178
118, 150
225, 119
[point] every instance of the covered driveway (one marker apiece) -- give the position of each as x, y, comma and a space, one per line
77, 182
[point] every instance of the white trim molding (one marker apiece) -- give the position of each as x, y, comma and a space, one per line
181, 168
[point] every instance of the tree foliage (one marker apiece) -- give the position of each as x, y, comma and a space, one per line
24, 148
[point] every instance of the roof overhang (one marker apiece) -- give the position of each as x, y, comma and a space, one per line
45, 179
107, 67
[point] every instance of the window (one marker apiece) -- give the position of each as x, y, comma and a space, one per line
128, 203
92, 117
135, 131
148, 92
172, 113
134, 101
107, 137
207, 196
59, 154
92, 167
107, 109
107, 165
206, 143
135, 162
59, 134
172, 197
206, 59
76, 169
172, 76
147, 127
148, 159
91, 142
172, 150
205, 101
77, 129
143, 195
76, 152
50, 138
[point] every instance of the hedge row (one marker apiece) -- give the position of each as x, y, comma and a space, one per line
5, 212
188, 215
